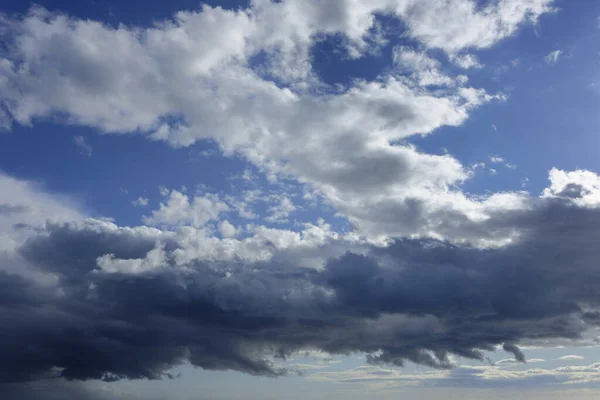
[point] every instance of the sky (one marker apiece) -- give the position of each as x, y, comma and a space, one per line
299, 199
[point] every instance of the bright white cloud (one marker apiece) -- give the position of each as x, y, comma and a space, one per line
156, 258
582, 187
466, 61
180, 210
571, 358
192, 79
227, 230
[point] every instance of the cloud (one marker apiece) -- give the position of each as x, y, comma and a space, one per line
422, 69
227, 229
132, 303
571, 358
553, 57
429, 273
582, 186
84, 148
140, 202
8, 209
511, 348
280, 211
512, 361
24, 204
466, 61
179, 210
469, 377
161, 82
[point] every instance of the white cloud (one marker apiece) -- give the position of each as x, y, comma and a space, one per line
571, 358
163, 191
140, 202
512, 361
280, 211
580, 186
192, 79
553, 57
84, 148
496, 159
422, 69
156, 258
466, 61
228, 230
179, 210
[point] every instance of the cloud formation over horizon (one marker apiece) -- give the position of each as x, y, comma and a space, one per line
428, 273
113, 302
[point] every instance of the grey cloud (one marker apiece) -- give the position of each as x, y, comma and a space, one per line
414, 300
9, 209
511, 348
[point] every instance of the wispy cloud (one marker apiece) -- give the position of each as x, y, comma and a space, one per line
84, 148
553, 57
140, 202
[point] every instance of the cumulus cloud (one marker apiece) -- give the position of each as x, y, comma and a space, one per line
581, 186
180, 210
227, 229
136, 302
429, 274
195, 77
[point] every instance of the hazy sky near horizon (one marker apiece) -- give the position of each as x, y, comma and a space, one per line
299, 199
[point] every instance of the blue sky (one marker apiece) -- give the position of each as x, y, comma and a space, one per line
400, 197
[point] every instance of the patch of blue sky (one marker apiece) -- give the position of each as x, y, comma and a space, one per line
550, 117
123, 168
335, 66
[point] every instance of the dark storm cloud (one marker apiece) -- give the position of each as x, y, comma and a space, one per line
415, 300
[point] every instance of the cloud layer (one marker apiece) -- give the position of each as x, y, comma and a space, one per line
135, 302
